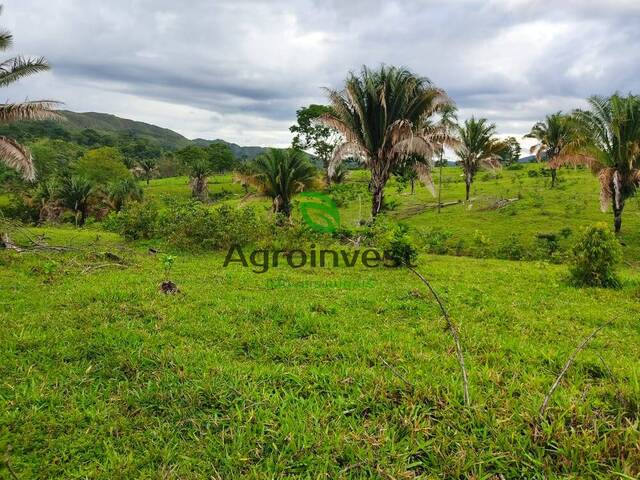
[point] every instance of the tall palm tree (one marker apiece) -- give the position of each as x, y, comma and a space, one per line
282, 173
608, 141
383, 117
554, 135
12, 153
478, 149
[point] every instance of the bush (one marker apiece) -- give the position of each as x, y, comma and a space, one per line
435, 240
394, 240
595, 256
136, 221
192, 225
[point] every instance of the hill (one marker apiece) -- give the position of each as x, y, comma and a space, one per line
108, 124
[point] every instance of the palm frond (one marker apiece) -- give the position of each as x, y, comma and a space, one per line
33, 110
17, 157
15, 68
576, 159
423, 170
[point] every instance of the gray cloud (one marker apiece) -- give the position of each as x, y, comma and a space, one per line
239, 69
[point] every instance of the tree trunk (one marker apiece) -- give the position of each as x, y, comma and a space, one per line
199, 188
617, 217
148, 179
554, 175
413, 186
467, 184
379, 177
440, 185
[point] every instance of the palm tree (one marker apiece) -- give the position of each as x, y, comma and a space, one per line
122, 191
75, 192
12, 153
282, 173
148, 165
383, 117
554, 135
608, 141
478, 149
448, 122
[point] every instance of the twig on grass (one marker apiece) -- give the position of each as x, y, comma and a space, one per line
569, 362
103, 265
454, 334
395, 372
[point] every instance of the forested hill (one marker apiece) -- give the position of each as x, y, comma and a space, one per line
89, 123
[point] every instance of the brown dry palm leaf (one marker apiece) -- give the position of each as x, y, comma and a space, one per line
17, 157
34, 110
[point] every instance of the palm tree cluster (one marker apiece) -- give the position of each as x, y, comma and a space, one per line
553, 136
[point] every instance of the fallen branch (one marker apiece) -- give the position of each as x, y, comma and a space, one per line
569, 362
396, 373
103, 265
454, 334
6, 242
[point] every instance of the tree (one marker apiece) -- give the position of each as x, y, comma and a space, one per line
148, 166
197, 162
311, 134
54, 157
102, 166
448, 123
220, 157
554, 135
120, 192
12, 153
75, 193
478, 149
607, 139
383, 117
282, 173
511, 152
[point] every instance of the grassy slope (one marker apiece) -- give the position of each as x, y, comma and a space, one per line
103, 377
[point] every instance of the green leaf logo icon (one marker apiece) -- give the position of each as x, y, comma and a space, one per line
319, 212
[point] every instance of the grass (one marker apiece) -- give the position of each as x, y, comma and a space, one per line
178, 187
245, 375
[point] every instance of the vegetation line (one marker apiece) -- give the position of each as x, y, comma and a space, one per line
570, 361
454, 334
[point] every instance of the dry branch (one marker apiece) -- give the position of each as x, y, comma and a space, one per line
568, 364
396, 373
454, 334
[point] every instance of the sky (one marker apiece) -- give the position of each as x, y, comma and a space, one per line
239, 69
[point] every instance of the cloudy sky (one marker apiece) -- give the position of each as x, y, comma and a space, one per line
239, 69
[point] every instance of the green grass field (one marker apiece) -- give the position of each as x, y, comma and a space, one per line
285, 374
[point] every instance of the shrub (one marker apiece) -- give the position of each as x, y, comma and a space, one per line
394, 240
194, 226
435, 240
512, 248
595, 256
138, 220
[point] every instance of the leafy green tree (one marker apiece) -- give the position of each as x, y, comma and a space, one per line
91, 138
220, 157
511, 152
383, 117
608, 141
13, 154
553, 135
75, 193
280, 174
54, 157
102, 166
478, 149
311, 134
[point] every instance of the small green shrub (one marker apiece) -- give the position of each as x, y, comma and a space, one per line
595, 256
138, 220
512, 248
435, 240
